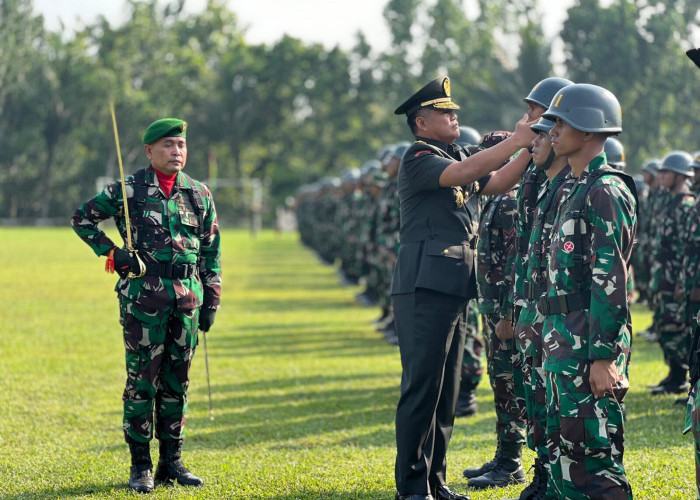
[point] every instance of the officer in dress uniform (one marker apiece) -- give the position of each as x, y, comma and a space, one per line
434, 278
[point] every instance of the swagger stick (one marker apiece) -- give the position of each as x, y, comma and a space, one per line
206, 364
121, 176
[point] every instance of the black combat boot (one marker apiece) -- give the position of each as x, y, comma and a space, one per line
471, 472
537, 489
675, 383
466, 401
506, 471
140, 478
170, 467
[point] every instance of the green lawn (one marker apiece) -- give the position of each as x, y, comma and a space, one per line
304, 389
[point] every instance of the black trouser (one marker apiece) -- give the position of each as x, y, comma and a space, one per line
431, 327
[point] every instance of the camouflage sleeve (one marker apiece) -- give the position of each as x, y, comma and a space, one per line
210, 253
690, 269
507, 299
611, 212
509, 256
85, 220
682, 215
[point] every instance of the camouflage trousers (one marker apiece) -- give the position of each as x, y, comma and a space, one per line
585, 438
472, 367
673, 336
159, 348
531, 378
692, 423
500, 356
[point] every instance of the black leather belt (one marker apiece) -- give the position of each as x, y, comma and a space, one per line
170, 271
563, 304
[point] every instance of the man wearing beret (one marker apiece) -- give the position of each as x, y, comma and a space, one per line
169, 286
434, 277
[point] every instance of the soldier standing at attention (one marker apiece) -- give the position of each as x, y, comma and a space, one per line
675, 170
166, 290
689, 284
495, 247
532, 181
587, 328
434, 278
529, 324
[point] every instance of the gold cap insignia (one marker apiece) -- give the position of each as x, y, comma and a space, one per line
446, 86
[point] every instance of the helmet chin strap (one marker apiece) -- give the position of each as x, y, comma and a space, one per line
545, 166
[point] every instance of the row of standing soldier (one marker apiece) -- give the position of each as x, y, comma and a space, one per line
514, 235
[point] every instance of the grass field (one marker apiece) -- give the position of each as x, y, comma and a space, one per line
304, 390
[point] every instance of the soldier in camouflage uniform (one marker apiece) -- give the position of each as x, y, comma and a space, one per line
371, 184
587, 327
529, 324
388, 238
674, 171
640, 255
472, 369
526, 195
690, 289
167, 290
494, 248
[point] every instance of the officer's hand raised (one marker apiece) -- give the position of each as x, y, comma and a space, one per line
125, 262
206, 319
523, 134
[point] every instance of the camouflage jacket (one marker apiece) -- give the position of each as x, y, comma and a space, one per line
495, 253
526, 196
690, 268
388, 219
668, 254
535, 281
166, 231
599, 250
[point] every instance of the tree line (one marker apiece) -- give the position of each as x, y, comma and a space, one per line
291, 112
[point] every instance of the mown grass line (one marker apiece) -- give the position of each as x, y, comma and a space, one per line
304, 390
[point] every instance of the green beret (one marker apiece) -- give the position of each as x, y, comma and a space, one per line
165, 127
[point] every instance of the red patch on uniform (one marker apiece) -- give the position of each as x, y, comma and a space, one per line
568, 247
421, 152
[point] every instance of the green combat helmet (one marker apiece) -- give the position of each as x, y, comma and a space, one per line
615, 152
468, 136
679, 162
588, 108
544, 91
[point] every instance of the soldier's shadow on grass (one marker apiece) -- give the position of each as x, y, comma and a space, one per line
305, 494
76, 491
299, 339
296, 411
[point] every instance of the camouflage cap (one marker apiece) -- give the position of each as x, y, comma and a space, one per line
165, 127
435, 95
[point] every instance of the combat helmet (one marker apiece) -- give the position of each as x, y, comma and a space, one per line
615, 153
696, 159
544, 91
401, 148
350, 175
468, 136
543, 125
679, 162
652, 166
588, 108
369, 167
